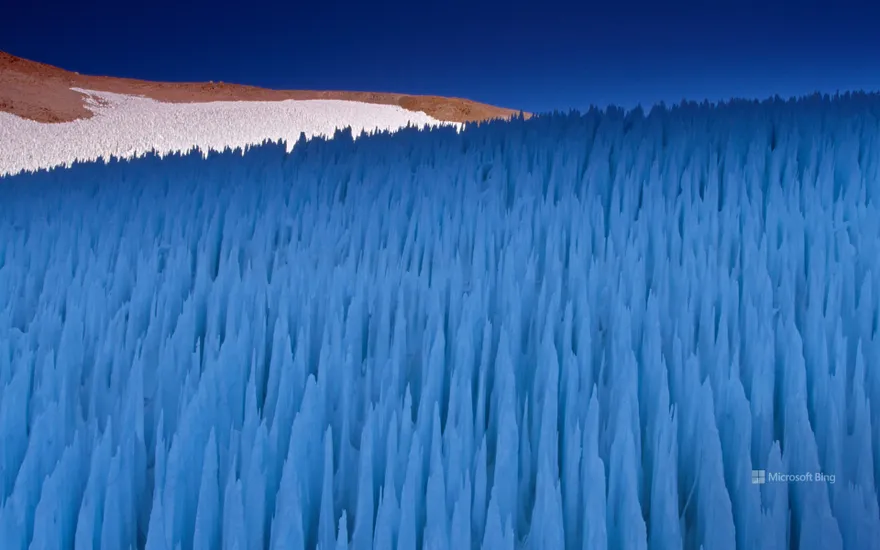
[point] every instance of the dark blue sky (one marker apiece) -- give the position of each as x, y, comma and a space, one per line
537, 56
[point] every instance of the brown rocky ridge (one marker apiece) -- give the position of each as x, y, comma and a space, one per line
41, 92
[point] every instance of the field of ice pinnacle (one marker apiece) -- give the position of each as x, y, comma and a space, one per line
583, 331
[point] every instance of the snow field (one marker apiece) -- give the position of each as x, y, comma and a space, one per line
125, 126
580, 331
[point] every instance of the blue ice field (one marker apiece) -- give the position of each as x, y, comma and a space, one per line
583, 331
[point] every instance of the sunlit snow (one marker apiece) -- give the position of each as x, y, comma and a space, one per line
125, 126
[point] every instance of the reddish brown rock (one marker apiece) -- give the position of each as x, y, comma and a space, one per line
41, 92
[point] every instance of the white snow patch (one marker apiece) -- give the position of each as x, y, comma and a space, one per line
126, 126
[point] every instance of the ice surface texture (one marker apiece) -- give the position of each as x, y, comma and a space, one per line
576, 331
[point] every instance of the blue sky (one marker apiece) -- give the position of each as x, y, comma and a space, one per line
536, 56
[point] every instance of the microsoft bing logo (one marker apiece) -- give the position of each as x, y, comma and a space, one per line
758, 477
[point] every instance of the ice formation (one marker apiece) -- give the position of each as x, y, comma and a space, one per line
582, 331
125, 126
